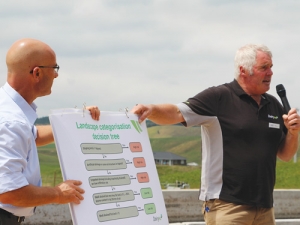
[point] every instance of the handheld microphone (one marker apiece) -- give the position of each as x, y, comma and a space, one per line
281, 92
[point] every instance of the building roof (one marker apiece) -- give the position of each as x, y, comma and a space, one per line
167, 156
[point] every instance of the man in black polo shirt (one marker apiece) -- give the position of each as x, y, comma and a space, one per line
244, 129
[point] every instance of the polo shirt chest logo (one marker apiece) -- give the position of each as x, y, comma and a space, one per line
273, 125
272, 117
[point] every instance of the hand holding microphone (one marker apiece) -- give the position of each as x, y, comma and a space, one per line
293, 119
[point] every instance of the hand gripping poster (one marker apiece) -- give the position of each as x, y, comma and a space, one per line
114, 160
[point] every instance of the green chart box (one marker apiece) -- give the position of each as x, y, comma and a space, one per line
146, 193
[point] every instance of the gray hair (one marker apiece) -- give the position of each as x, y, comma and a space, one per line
246, 57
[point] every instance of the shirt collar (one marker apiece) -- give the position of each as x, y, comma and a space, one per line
29, 110
239, 90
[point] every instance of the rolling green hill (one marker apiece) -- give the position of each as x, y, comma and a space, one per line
183, 141
179, 140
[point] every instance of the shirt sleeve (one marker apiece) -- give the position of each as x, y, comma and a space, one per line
14, 148
200, 109
205, 103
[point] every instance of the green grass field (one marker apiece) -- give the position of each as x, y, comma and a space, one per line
183, 141
288, 175
49, 163
179, 140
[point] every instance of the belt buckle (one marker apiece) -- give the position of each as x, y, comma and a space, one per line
21, 219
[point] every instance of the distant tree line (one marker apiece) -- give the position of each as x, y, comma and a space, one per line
152, 124
45, 121
42, 121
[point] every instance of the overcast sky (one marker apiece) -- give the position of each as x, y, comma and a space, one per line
115, 54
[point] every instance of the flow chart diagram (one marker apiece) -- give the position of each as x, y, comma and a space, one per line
114, 160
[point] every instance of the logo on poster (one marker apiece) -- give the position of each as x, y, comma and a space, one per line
157, 218
136, 126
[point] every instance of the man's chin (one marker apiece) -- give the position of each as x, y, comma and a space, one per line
267, 86
45, 94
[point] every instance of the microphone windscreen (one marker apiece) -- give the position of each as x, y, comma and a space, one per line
280, 90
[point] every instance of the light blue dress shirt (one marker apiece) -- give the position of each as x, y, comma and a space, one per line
19, 163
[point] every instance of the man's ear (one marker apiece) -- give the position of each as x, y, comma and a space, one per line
36, 74
242, 71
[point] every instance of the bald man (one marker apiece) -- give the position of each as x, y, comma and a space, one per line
31, 70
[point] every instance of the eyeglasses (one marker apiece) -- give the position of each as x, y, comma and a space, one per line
56, 68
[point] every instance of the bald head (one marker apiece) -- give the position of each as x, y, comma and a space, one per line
23, 72
25, 54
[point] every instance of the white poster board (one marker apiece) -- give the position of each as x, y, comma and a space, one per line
114, 160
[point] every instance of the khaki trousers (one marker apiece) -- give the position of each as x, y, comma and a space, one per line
218, 212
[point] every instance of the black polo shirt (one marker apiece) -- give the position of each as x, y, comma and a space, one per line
240, 143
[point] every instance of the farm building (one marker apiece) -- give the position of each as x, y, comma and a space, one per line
168, 158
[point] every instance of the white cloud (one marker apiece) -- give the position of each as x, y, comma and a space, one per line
119, 53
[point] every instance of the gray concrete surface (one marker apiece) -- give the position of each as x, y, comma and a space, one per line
278, 222
286, 205
183, 208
